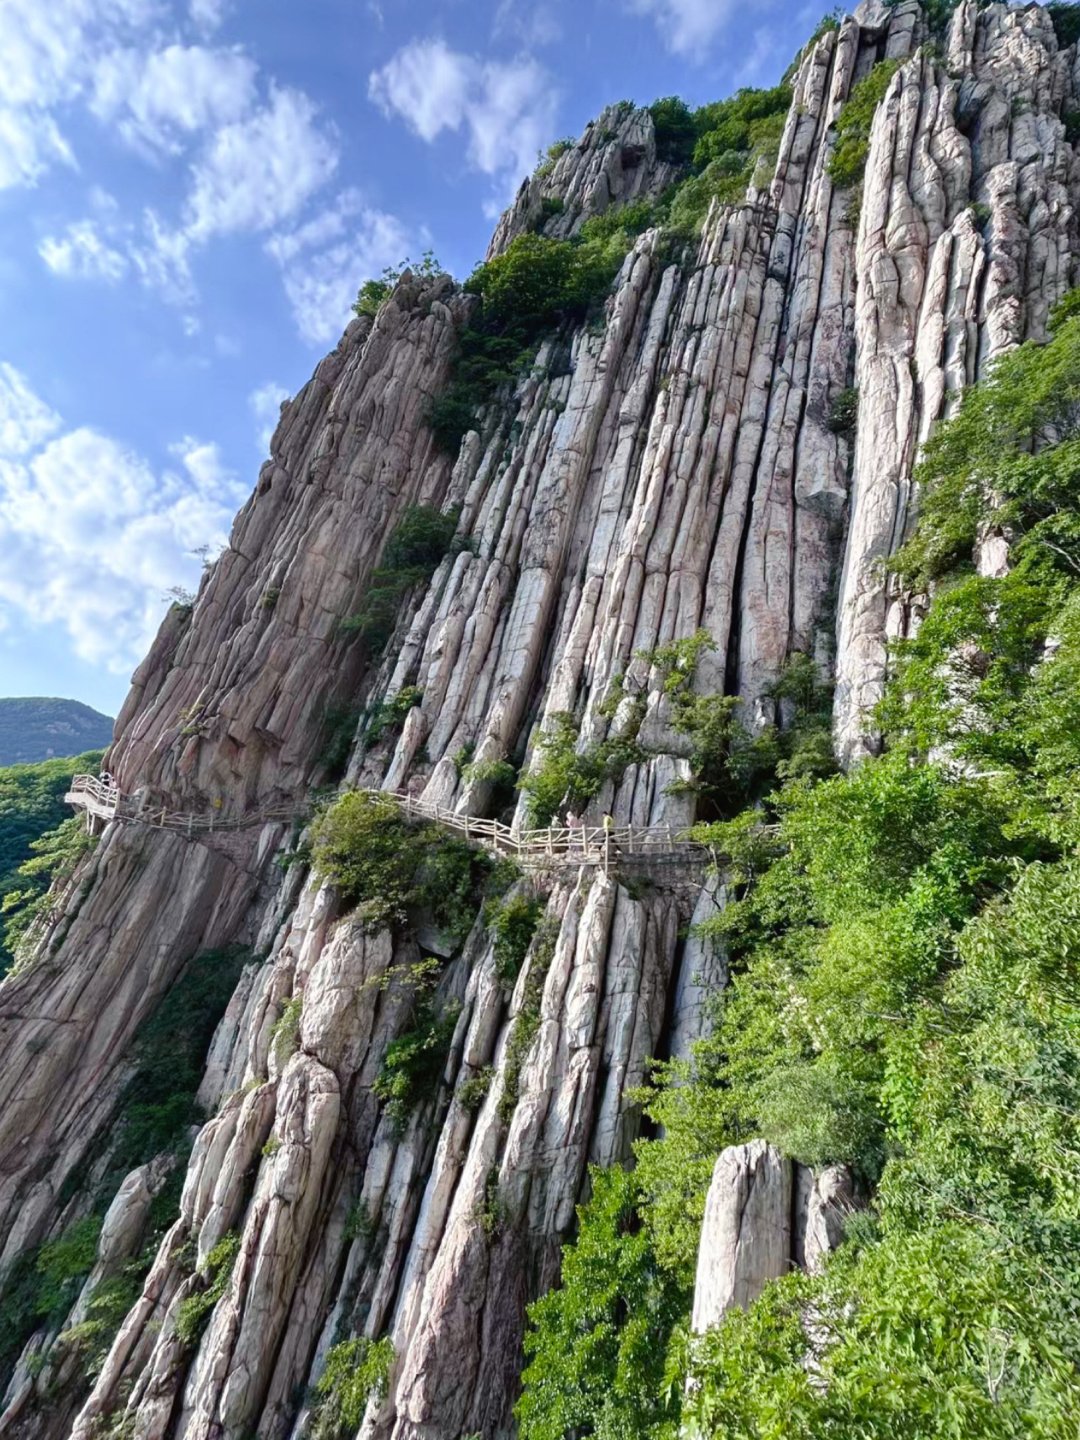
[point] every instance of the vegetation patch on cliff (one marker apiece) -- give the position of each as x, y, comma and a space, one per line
355, 1372
216, 1271
529, 291
418, 543
388, 870
847, 163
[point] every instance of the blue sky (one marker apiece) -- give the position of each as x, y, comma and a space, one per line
191, 192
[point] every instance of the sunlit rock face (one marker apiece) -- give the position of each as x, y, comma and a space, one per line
672, 469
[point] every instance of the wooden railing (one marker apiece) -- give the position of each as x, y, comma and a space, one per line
579, 844
600, 845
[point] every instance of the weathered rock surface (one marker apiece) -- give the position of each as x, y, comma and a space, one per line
746, 1232
672, 470
764, 1216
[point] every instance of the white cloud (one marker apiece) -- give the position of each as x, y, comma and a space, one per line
255, 153
266, 403
505, 109
161, 257
92, 534
325, 262
82, 253
530, 24
30, 143
47, 50
207, 15
158, 98
259, 171
25, 421
687, 27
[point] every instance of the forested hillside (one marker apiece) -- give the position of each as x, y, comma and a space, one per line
36, 829
33, 729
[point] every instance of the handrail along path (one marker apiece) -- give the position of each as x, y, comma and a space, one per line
576, 845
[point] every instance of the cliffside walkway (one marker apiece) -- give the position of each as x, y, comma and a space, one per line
555, 845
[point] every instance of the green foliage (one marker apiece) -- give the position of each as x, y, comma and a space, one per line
391, 712
41, 1285
728, 766
418, 543
512, 923
739, 123
339, 730
844, 412
91, 1339
285, 1035
598, 1347
158, 1106
38, 839
534, 287
675, 130
548, 157
731, 138
827, 24
358, 1222
537, 282
388, 870
620, 222
215, 1274
568, 778
355, 1372
848, 161
498, 775
413, 1065
526, 1024
980, 469
374, 292
1066, 20
474, 1091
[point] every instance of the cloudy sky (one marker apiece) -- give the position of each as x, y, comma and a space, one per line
192, 191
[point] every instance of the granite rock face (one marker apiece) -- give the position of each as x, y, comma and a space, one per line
746, 1233
674, 469
764, 1216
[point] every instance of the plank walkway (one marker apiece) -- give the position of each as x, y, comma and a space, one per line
553, 845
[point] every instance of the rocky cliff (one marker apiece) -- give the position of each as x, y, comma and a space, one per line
675, 468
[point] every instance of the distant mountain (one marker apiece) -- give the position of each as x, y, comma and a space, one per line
35, 728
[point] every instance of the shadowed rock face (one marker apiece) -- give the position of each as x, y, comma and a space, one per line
672, 470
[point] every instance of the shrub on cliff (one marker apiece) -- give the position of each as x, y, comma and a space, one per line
418, 543
1066, 20
847, 163
414, 1063
565, 776
387, 870
355, 1370
374, 292
675, 129
528, 292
